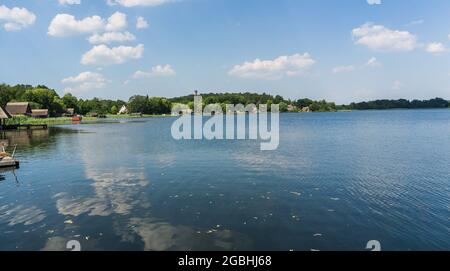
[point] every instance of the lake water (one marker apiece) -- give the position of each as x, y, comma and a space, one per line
336, 181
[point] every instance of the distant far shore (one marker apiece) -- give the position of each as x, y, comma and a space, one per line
41, 101
55, 121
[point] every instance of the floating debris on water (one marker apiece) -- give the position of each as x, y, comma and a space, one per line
312, 249
335, 199
296, 193
317, 235
69, 221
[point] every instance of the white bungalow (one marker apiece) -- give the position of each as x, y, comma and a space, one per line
123, 110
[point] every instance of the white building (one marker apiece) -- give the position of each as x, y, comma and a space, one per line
123, 110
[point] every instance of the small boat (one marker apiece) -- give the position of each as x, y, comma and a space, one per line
7, 160
77, 118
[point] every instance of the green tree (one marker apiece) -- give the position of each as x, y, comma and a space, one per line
114, 109
283, 107
70, 101
138, 104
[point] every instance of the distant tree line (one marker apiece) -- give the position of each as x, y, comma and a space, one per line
149, 105
316, 106
42, 97
257, 99
398, 104
46, 98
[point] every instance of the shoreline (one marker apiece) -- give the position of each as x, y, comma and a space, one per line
55, 121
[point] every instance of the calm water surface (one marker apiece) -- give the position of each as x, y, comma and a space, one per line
336, 181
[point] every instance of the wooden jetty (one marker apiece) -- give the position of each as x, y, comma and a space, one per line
7, 160
25, 126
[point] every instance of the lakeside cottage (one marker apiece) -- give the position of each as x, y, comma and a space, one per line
4, 115
39, 113
70, 112
292, 108
306, 109
123, 110
18, 109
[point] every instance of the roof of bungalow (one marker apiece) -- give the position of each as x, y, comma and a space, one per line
39, 112
4, 114
18, 108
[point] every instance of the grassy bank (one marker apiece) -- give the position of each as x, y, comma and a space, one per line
68, 120
48, 121
127, 116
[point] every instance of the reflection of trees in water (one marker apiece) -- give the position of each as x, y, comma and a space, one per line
27, 140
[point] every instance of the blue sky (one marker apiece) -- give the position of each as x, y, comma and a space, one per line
323, 49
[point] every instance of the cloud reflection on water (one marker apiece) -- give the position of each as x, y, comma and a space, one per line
119, 185
21, 215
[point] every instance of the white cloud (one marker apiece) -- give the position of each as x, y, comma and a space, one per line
85, 81
416, 22
110, 37
16, 18
378, 37
103, 55
69, 2
64, 25
116, 22
67, 25
273, 69
374, 2
343, 69
397, 85
134, 3
141, 23
373, 62
435, 48
158, 70
85, 77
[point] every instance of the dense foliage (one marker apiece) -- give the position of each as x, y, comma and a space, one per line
399, 104
316, 106
149, 105
257, 99
232, 98
44, 97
